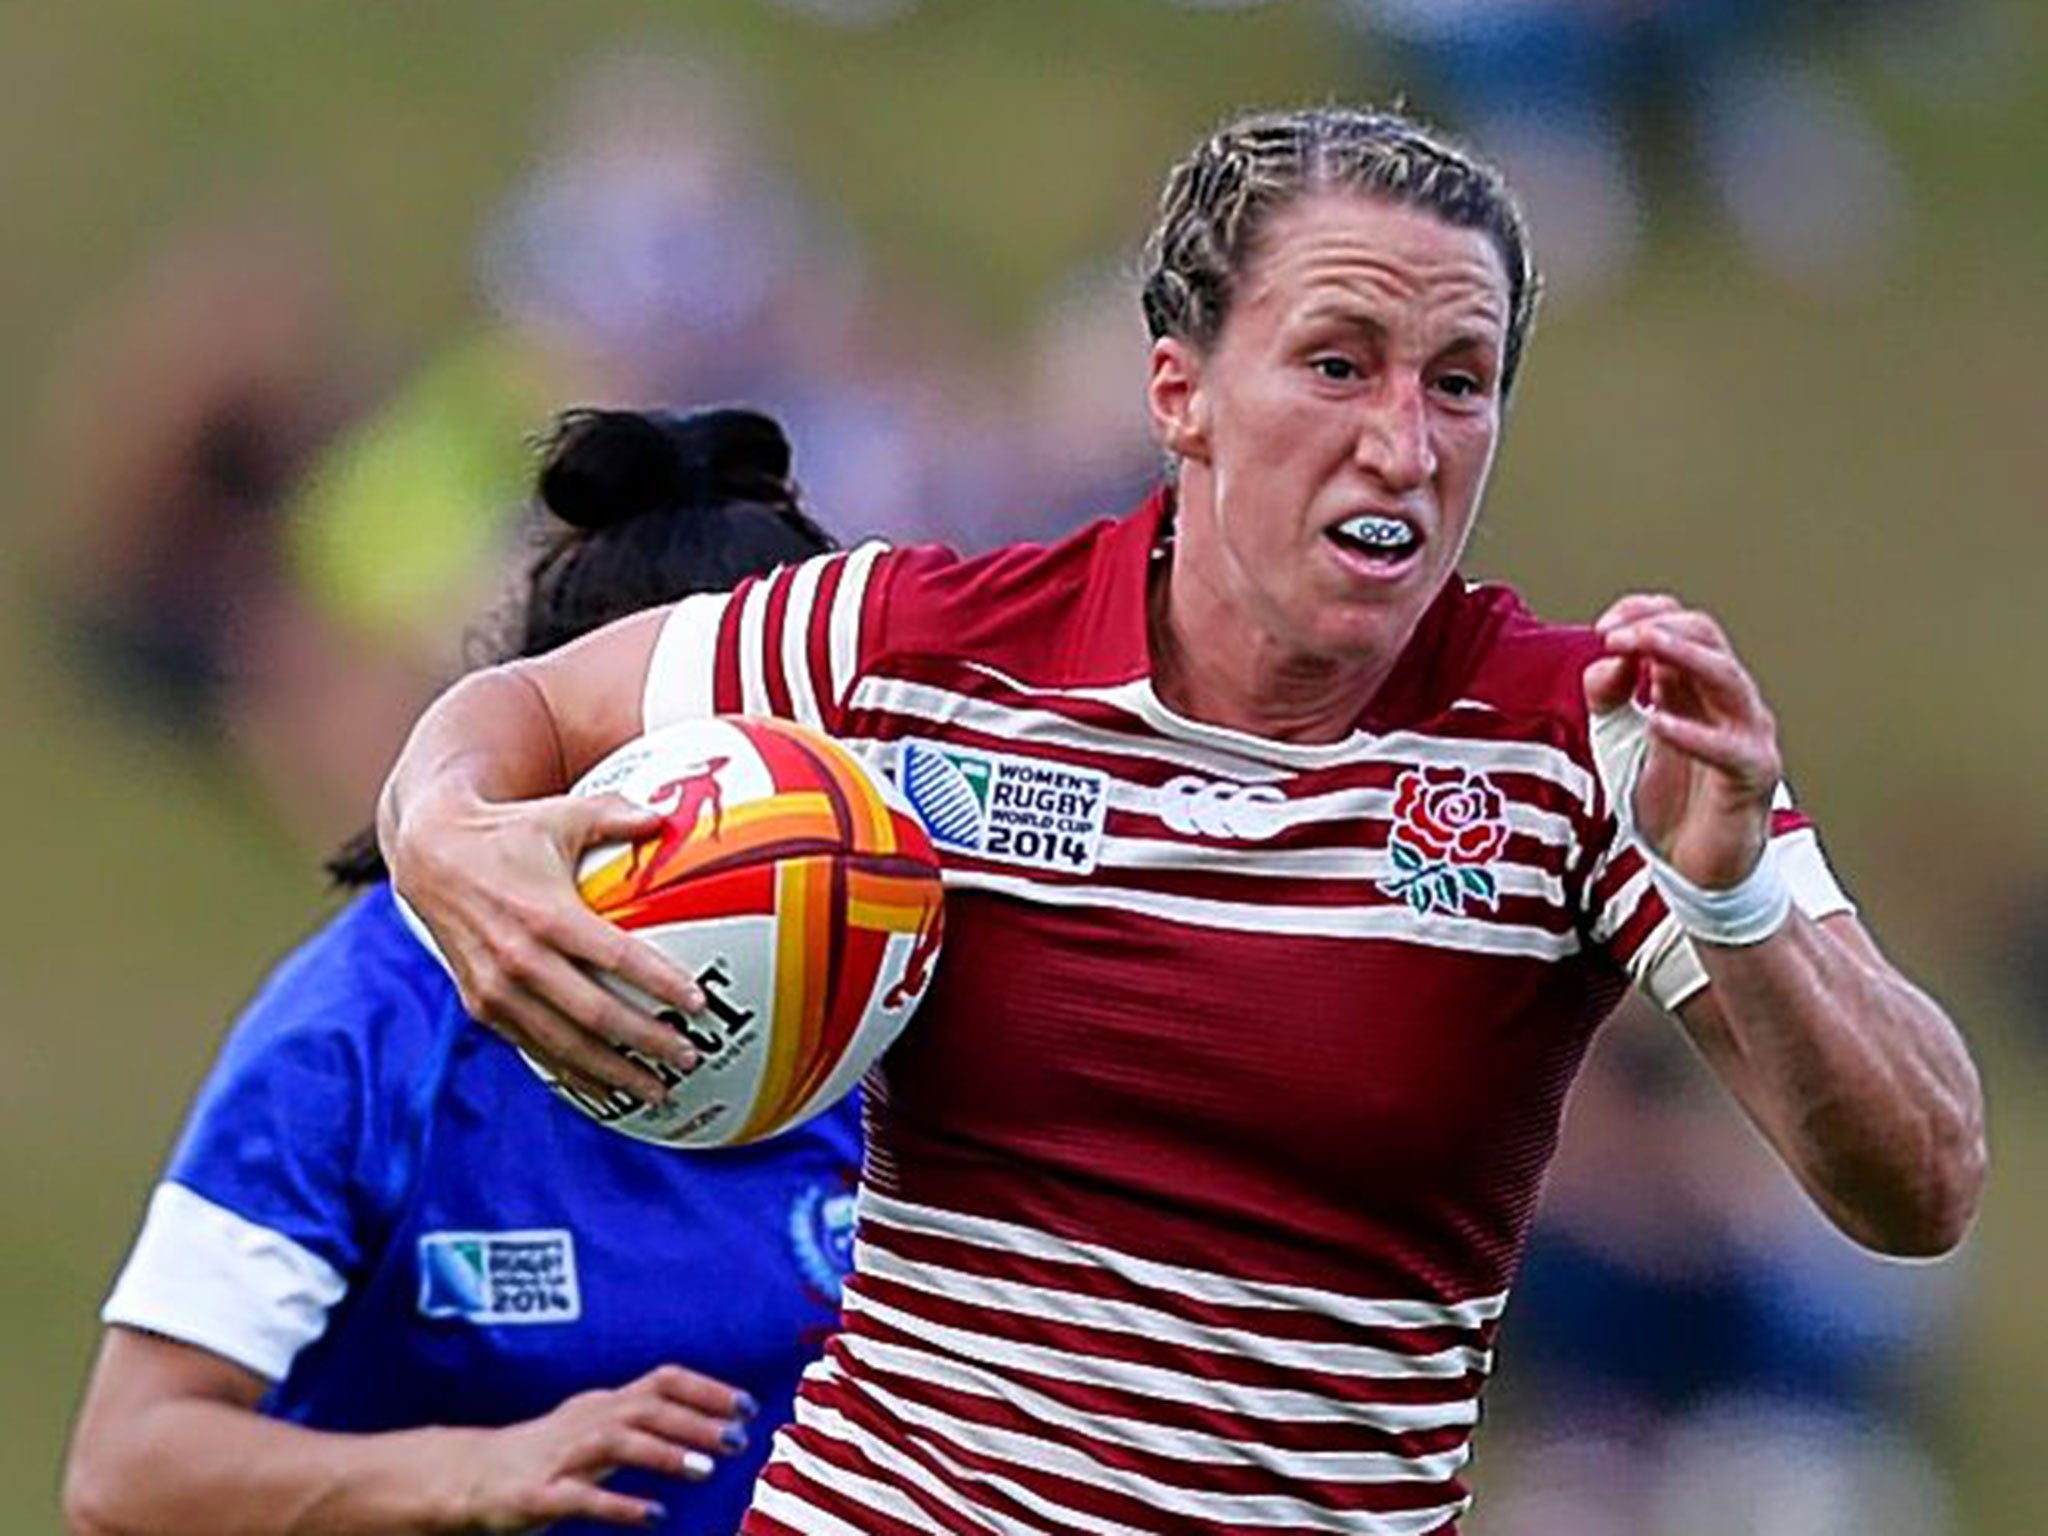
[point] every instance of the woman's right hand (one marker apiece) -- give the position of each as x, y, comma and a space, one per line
494, 883
525, 1476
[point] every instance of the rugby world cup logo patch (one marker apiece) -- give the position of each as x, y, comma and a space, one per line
950, 791
500, 1277
1037, 812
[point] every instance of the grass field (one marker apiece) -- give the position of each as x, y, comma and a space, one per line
1856, 486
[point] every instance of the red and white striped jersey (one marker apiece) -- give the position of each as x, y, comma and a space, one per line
1194, 1193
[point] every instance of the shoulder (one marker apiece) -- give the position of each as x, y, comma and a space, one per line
361, 986
1030, 606
1521, 663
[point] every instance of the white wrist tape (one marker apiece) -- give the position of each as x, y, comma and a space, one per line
1747, 912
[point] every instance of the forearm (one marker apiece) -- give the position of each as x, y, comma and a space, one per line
192, 1467
491, 737
1856, 1076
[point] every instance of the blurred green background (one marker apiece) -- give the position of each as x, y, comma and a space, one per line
1853, 481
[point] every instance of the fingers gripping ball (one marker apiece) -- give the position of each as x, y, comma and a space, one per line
802, 893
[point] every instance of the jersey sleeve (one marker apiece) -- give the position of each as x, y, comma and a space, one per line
787, 644
267, 1205
1627, 917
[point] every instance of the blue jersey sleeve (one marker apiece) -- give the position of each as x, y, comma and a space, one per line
298, 1147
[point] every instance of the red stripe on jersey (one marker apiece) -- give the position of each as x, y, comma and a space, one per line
726, 697
779, 702
818, 639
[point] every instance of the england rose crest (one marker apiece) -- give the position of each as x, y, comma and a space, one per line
1449, 825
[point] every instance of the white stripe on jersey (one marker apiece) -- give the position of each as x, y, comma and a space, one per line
1160, 1440
884, 1498
1344, 805
678, 684
1081, 1310
843, 631
1206, 1285
836, 1426
804, 704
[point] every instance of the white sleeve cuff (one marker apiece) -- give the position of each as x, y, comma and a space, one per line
203, 1275
1668, 967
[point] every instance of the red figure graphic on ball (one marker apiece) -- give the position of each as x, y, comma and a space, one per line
692, 793
917, 970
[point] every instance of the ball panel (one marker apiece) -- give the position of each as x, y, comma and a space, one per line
637, 902
732, 959
806, 962
769, 824
880, 1024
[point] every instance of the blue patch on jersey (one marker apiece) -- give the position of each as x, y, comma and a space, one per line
821, 1231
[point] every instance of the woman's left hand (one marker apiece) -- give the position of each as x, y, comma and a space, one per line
1711, 766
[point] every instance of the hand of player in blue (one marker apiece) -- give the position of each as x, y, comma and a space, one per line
1703, 795
670, 1421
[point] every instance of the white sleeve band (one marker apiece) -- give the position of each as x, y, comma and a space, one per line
680, 672
203, 1275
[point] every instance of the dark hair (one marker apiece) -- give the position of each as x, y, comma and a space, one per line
639, 509
1219, 200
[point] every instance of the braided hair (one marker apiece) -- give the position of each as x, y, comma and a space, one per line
1219, 200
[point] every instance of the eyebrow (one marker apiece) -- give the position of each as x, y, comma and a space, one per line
1347, 313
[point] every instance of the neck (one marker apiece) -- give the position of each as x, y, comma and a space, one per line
1206, 666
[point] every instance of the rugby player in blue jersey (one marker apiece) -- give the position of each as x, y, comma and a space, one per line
388, 1283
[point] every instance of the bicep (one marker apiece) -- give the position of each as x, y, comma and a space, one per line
593, 687
136, 1370
137, 1379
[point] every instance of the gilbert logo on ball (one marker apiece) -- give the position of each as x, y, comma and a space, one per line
802, 893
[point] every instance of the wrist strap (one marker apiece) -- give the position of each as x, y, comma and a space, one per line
1748, 912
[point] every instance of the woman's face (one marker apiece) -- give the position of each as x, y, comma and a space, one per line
1335, 439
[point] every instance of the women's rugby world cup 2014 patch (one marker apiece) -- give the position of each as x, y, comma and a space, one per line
1005, 808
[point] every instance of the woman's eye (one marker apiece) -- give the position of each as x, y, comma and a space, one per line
1336, 369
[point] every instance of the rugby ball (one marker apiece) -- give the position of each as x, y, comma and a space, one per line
801, 891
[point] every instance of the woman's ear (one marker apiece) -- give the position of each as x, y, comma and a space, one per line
1180, 409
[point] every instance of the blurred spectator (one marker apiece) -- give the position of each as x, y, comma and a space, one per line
1092, 452
1564, 93
655, 255
181, 420
850, 13
1701, 1355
